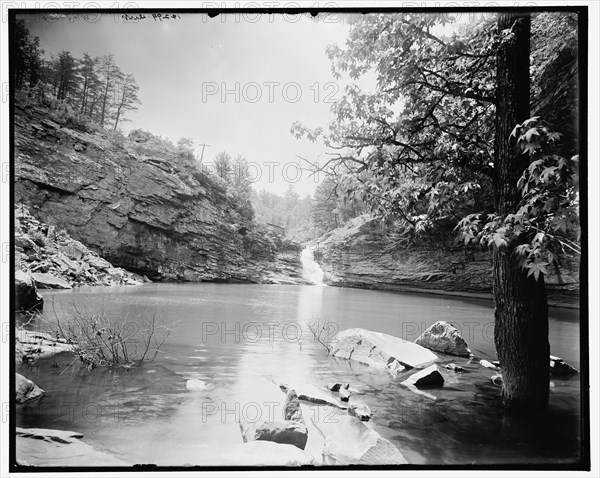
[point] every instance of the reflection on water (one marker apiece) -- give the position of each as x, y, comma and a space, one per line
232, 336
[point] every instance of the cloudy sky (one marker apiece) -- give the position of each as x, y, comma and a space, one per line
235, 82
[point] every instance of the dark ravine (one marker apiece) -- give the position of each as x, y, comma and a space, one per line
365, 254
142, 205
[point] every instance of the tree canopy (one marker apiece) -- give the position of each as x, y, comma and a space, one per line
420, 147
93, 88
446, 141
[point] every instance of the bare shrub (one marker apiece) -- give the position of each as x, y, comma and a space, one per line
317, 334
100, 339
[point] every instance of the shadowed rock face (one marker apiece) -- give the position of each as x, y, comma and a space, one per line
142, 205
367, 254
26, 294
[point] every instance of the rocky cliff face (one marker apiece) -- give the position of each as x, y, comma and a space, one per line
365, 254
141, 204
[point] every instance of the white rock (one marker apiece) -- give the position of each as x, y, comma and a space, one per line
488, 364
348, 441
380, 350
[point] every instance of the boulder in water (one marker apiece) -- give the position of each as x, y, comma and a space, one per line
428, 377
335, 386
559, 367
380, 350
344, 394
348, 441
284, 432
488, 364
443, 337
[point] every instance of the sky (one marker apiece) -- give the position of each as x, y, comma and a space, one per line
235, 82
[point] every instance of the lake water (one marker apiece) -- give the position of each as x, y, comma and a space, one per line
233, 336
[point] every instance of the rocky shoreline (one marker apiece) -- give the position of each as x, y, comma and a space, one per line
364, 254
346, 438
42, 250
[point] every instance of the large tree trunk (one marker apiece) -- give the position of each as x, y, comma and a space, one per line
521, 313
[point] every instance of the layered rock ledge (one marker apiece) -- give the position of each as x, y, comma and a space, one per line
367, 254
142, 204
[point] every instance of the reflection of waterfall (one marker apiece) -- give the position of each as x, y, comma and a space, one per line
311, 271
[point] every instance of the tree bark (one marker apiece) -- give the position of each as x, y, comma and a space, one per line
521, 309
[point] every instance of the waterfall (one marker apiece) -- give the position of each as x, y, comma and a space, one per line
311, 271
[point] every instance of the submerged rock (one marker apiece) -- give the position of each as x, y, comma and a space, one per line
284, 432
428, 377
26, 390
310, 393
443, 337
348, 441
27, 297
35, 345
49, 435
46, 447
380, 350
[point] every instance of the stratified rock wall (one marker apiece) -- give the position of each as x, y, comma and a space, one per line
367, 254
141, 204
